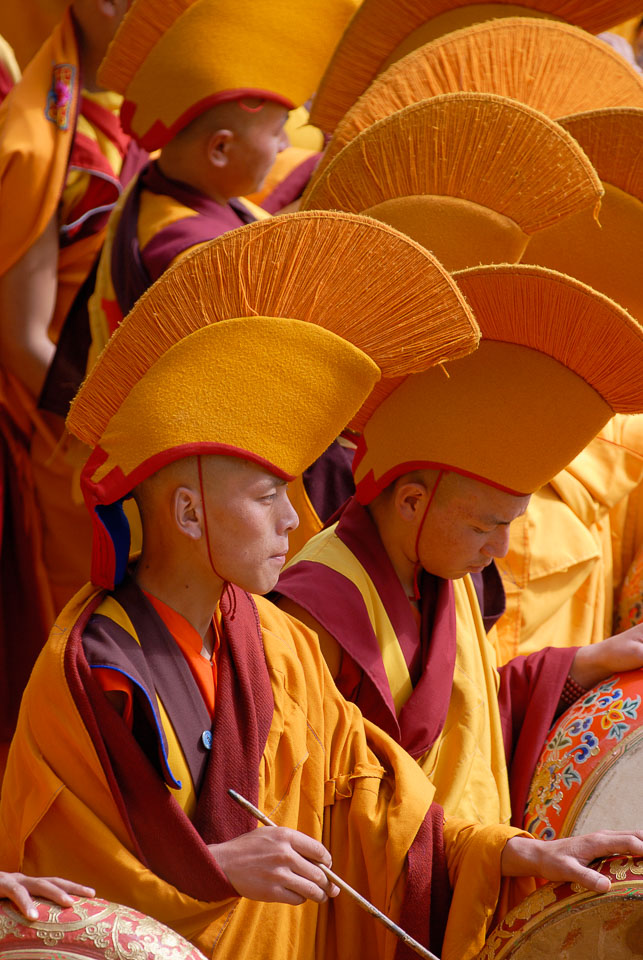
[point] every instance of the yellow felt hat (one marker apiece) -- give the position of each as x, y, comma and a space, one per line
607, 254
382, 32
554, 67
556, 361
471, 176
261, 345
173, 59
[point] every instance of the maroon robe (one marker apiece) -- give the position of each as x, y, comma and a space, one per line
134, 270
136, 766
530, 687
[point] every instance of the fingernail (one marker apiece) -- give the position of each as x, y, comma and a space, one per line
32, 913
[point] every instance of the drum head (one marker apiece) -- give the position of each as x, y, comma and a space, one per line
93, 929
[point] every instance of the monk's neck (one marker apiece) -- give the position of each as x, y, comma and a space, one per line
184, 167
194, 597
400, 561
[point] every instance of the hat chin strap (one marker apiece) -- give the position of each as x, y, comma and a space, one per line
205, 524
418, 565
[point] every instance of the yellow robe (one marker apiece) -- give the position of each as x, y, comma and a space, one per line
466, 764
569, 553
324, 771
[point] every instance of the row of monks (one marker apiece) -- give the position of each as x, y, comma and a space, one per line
321, 439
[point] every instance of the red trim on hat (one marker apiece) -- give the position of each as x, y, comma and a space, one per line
158, 134
116, 485
368, 488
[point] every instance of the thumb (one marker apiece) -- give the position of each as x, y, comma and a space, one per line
590, 878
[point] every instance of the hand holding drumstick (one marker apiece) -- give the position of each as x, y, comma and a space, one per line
337, 884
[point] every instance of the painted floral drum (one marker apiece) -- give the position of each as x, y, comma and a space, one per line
590, 773
566, 921
89, 928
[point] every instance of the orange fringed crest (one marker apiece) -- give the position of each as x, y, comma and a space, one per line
566, 319
556, 360
527, 60
382, 32
137, 35
607, 254
349, 274
259, 345
494, 152
613, 140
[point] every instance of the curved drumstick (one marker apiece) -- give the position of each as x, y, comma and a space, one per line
362, 901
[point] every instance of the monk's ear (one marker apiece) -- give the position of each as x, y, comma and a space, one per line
187, 512
218, 147
410, 497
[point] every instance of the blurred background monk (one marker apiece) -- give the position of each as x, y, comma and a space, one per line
62, 159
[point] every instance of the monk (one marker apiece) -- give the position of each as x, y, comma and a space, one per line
125, 781
218, 139
402, 589
63, 159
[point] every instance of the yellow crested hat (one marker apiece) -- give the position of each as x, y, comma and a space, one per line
528, 60
261, 345
174, 59
382, 32
607, 254
555, 362
471, 176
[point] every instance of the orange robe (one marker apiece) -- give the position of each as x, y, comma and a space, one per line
569, 554
52, 139
81, 798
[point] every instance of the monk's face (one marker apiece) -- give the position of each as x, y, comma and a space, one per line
249, 517
466, 526
254, 148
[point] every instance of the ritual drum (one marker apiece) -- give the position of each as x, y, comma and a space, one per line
566, 921
590, 773
89, 928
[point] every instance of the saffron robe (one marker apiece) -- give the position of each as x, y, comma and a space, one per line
52, 137
85, 798
156, 223
569, 554
475, 731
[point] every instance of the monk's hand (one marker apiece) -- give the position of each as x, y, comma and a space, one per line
276, 864
623, 651
569, 859
20, 889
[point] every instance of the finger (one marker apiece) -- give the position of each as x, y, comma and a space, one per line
310, 849
589, 878
48, 889
306, 889
286, 895
311, 873
19, 895
75, 889
610, 843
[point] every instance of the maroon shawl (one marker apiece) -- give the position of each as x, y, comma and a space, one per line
530, 687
